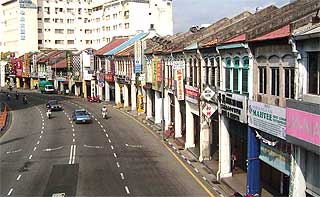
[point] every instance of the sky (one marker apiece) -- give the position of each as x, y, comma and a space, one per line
187, 13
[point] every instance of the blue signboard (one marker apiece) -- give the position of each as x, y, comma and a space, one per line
275, 158
137, 68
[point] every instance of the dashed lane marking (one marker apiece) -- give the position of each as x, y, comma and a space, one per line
34, 148
115, 155
127, 190
38, 142
118, 165
10, 191
19, 177
122, 176
109, 140
111, 147
107, 135
30, 157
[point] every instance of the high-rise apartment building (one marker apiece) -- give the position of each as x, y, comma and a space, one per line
78, 24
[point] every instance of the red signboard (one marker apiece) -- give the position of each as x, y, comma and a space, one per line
158, 71
109, 77
18, 65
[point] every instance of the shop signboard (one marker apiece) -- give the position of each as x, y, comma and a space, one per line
192, 94
156, 74
68, 60
209, 109
275, 158
179, 85
140, 103
19, 67
178, 65
303, 125
137, 56
233, 106
61, 79
267, 118
109, 77
208, 93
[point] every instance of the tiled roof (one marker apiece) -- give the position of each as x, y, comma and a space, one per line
126, 44
50, 55
61, 64
239, 38
111, 45
279, 33
126, 52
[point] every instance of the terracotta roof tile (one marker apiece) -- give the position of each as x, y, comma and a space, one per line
239, 38
126, 52
61, 64
111, 45
279, 33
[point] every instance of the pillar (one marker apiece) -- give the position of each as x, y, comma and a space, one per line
84, 89
117, 93
297, 180
189, 128
133, 96
253, 168
158, 105
107, 91
126, 95
224, 150
149, 104
177, 118
167, 110
18, 82
204, 139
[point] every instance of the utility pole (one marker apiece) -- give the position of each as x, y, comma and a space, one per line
162, 99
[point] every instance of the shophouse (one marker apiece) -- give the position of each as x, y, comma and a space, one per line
87, 69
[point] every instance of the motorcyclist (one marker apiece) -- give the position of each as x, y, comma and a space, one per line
104, 111
48, 113
24, 99
8, 96
17, 95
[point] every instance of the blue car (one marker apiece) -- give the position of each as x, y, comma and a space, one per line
81, 116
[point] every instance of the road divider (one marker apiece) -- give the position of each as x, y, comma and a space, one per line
72, 154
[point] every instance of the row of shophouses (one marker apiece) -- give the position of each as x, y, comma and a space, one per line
247, 86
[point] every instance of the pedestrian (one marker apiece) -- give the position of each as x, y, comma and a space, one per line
234, 158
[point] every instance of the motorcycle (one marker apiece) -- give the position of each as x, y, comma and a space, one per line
94, 99
48, 114
24, 99
104, 114
17, 96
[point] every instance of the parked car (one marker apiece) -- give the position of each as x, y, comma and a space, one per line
81, 116
54, 105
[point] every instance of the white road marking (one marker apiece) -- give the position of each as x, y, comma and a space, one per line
99, 122
43, 123
174, 147
42, 120
204, 178
10, 191
41, 132
42, 128
73, 130
127, 190
101, 126
115, 155
93, 116
111, 147
40, 136
18, 177
126, 144
188, 162
34, 148
109, 140
69, 118
122, 176
88, 146
118, 165
183, 156
195, 169
73, 140
38, 142
14, 151
73, 134
30, 157
104, 130
96, 119
107, 135
71, 151
74, 154
72, 125
52, 149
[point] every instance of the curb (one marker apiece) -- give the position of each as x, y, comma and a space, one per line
6, 121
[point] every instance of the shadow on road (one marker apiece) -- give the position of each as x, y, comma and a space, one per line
11, 140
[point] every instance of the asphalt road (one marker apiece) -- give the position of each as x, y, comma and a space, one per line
109, 157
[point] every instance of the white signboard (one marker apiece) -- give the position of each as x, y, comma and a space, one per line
267, 118
208, 110
180, 86
178, 64
208, 94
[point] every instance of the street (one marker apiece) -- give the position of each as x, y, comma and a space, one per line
108, 157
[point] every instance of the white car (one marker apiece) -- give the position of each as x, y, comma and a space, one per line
49, 89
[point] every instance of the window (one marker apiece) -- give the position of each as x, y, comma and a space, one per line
114, 27
115, 16
39, 41
289, 82
58, 31
236, 62
126, 14
46, 10
70, 31
39, 19
47, 20
245, 73
195, 71
228, 69
70, 41
262, 80
58, 42
314, 73
39, 30
126, 25
70, 21
275, 81
191, 72
107, 17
